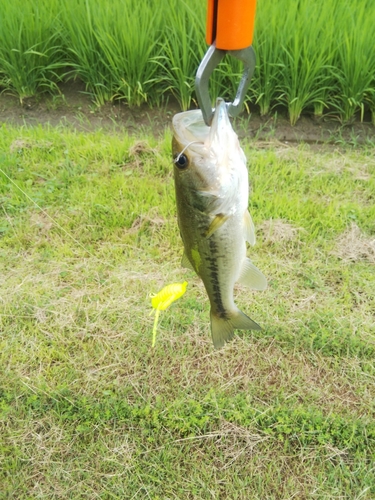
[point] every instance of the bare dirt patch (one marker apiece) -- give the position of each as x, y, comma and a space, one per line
277, 231
354, 246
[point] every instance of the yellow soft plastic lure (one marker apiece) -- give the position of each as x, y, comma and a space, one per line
162, 300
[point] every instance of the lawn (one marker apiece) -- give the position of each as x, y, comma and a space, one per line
89, 410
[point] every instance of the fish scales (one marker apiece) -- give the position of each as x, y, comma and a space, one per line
211, 183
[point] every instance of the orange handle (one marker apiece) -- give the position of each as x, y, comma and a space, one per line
230, 23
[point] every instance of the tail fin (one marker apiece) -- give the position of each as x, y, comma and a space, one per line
222, 329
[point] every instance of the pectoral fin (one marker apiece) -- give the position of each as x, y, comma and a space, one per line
252, 277
217, 222
249, 228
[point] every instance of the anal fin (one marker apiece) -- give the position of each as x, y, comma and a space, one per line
251, 276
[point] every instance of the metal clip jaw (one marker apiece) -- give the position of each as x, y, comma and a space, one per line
209, 62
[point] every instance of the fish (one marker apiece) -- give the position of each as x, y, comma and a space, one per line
212, 192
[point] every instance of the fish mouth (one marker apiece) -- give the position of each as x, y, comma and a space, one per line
189, 128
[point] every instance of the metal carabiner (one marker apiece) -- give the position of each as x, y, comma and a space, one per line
209, 62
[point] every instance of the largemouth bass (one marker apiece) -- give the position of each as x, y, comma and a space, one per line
211, 182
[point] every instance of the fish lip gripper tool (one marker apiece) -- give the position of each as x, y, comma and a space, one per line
230, 28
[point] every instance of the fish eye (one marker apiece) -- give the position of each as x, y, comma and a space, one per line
181, 161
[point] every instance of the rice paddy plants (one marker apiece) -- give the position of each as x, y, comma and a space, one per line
311, 58
355, 61
88, 409
264, 85
113, 48
31, 57
305, 78
182, 49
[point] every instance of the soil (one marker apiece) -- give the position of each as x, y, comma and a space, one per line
75, 108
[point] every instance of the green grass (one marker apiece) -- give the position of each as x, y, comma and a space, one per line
89, 410
311, 58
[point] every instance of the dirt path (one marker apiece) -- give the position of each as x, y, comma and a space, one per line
75, 108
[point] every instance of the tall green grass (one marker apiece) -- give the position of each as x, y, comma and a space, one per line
305, 74
264, 85
181, 50
30, 46
112, 47
311, 57
355, 60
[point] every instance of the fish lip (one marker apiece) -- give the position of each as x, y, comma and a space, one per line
192, 134
220, 114
189, 127
221, 131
